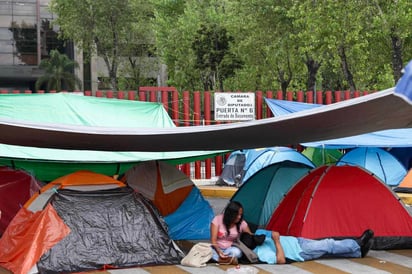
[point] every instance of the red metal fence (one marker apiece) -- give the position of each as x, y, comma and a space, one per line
195, 109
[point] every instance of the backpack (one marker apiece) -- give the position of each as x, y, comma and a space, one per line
198, 255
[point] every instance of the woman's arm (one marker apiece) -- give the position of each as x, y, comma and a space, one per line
213, 240
280, 254
245, 228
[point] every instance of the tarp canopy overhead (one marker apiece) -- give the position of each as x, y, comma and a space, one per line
383, 138
378, 111
76, 110
388, 109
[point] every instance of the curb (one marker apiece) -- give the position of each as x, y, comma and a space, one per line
217, 191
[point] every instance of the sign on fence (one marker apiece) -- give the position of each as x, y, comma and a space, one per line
231, 106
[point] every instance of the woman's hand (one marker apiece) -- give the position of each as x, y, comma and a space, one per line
222, 255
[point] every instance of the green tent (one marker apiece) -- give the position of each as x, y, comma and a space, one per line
322, 156
78, 110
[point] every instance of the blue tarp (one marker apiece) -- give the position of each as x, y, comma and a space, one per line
404, 87
384, 138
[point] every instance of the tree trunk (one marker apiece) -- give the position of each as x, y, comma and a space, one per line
285, 81
313, 67
112, 69
397, 63
345, 68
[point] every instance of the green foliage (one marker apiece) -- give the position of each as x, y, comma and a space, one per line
58, 73
211, 48
246, 45
112, 29
347, 42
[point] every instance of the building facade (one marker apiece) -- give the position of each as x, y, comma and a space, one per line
27, 36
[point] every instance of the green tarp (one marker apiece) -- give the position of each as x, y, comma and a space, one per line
71, 109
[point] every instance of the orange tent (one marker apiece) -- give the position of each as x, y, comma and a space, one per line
407, 181
404, 189
163, 184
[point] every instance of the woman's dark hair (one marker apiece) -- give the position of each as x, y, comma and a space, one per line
230, 214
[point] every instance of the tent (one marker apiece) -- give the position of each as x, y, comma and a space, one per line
179, 201
403, 154
86, 221
76, 110
256, 159
268, 186
406, 184
322, 156
378, 161
16, 187
232, 172
343, 201
404, 189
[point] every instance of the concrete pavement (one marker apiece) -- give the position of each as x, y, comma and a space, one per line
377, 262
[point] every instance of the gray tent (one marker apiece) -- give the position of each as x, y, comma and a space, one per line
81, 226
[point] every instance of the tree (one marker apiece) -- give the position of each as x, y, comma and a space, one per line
262, 32
211, 47
391, 21
246, 45
108, 28
58, 73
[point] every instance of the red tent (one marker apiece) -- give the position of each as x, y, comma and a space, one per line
343, 201
16, 187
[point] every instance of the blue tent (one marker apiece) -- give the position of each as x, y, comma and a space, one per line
378, 161
191, 221
256, 159
403, 154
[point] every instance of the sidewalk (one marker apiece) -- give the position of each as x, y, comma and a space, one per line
377, 262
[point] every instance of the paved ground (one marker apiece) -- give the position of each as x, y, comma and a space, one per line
377, 262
